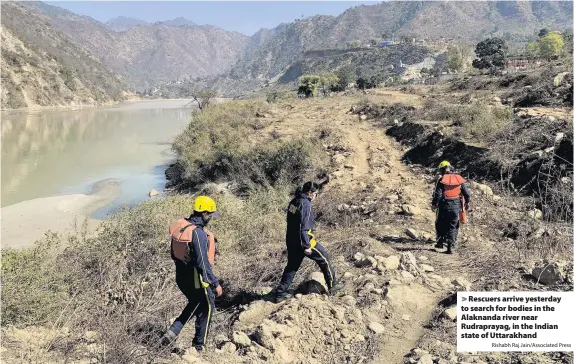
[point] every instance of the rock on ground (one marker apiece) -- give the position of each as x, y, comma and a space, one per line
152, 193
391, 262
412, 233
426, 359
315, 283
535, 214
482, 188
241, 339
427, 268
462, 282
376, 327
410, 210
548, 273
450, 313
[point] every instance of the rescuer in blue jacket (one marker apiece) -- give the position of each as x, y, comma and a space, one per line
301, 243
194, 275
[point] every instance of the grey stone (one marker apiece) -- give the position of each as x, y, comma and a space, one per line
376, 327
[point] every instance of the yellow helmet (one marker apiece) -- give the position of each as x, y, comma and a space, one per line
444, 164
204, 204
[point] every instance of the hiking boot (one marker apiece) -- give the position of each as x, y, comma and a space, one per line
450, 247
337, 286
439, 244
168, 338
280, 297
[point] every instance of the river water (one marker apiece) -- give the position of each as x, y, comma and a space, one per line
59, 152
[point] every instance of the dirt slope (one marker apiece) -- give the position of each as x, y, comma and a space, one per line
395, 284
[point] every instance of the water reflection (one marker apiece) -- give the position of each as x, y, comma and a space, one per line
51, 152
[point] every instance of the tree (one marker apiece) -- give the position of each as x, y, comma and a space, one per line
203, 98
308, 85
347, 75
491, 54
327, 81
454, 60
551, 45
542, 32
532, 50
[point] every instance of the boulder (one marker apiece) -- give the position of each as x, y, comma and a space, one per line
548, 273
376, 327
412, 233
426, 359
427, 268
392, 262
450, 313
407, 276
152, 193
535, 214
372, 262
363, 117
482, 188
229, 347
410, 210
359, 257
462, 282
241, 338
315, 283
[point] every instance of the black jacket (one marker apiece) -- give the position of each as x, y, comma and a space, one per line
300, 222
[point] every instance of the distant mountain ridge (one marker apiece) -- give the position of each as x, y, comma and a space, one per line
462, 20
124, 23
44, 67
149, 54
153, 54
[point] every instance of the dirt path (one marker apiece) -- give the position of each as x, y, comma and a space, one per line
376, 159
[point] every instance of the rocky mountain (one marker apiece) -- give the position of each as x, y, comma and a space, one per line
470, 21
178, 22
150, 54
123, 23
43, 67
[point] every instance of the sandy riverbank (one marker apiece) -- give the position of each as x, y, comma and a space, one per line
26, 222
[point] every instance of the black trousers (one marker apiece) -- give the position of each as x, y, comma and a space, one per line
295, 256
447, 221
201, 303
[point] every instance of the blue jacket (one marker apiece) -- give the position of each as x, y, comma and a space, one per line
300, 222
198, 255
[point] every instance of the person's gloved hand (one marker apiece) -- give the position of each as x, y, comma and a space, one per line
433, 208
467, 208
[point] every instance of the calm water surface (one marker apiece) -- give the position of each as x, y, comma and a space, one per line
55, 152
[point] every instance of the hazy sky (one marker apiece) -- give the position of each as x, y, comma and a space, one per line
243, 16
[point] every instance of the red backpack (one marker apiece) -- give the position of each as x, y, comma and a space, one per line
181, 232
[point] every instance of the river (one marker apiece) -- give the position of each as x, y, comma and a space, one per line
62, 152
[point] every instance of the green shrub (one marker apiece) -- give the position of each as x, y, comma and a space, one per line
33, 291
478, 120
215, 148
